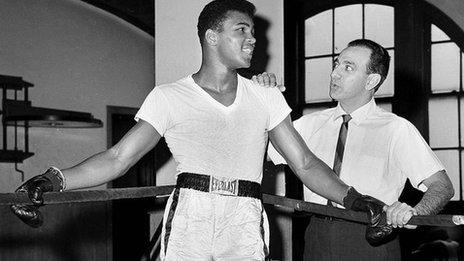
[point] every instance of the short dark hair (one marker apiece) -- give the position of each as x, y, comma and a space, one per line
379, 61
214, 13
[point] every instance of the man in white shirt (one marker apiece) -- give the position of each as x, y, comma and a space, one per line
381, 151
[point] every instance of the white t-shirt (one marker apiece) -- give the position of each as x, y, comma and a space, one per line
382, 150
206, 137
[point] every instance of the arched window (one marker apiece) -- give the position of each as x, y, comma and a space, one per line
446, 105
328, 33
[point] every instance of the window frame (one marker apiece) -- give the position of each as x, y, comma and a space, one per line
321, 104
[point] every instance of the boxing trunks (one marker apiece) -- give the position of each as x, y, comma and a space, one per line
213, 218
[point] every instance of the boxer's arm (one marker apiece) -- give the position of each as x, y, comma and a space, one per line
312, 171
439, 191
114, 162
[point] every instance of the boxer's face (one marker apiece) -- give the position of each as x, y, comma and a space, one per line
349, 76
236, 41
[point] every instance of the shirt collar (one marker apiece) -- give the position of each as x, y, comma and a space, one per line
358, 115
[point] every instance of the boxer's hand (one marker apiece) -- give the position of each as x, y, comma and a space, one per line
51, 180
267, 80
378, 231
29, 214
398, 215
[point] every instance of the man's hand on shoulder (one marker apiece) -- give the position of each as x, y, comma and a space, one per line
399, 214
267, 80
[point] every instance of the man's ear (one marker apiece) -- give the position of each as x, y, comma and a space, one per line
372, 80
211, 37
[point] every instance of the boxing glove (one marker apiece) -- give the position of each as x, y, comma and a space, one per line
51, 180
378, 231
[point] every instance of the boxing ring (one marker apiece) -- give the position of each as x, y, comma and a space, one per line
164, 191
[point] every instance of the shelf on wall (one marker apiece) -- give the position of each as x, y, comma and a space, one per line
12, 156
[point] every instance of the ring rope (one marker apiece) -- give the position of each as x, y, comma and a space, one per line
420, 220
88, 195
153, 191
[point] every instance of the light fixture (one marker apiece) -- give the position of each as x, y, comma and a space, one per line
20, 113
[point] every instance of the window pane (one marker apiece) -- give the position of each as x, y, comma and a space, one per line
318, 34
387, 88
457, 192
348, 25
450, 159
379, 24
318, 79
437, 34
445, 67
461, 101
443, 121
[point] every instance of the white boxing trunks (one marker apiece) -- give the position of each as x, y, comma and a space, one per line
214, 219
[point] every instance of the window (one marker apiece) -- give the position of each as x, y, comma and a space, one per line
446, 105
328, 33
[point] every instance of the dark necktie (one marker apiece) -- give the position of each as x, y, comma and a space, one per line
340, 147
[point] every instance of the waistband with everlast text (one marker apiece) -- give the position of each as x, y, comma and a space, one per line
219, 185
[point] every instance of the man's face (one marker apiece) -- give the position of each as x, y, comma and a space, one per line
236, 41
349, 77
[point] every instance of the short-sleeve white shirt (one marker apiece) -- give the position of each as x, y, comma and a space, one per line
382, 150
206, 137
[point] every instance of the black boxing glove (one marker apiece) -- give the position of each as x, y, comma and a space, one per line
29, 214
51, 180
378, 231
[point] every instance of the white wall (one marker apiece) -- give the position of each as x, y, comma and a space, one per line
79, 58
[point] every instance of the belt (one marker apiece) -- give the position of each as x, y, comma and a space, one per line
219, 185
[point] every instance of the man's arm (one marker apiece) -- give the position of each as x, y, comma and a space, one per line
439, 191
312, 171
114, 162
96, 170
